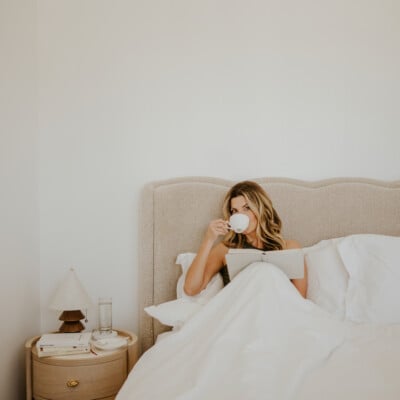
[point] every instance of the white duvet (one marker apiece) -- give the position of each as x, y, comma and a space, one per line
259, 339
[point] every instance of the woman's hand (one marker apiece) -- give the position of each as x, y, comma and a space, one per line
216, 228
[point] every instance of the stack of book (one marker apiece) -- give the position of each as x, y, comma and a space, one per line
59, 344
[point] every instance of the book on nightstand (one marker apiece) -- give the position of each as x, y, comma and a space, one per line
59, 344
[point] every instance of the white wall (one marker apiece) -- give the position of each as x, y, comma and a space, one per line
19, 213
133, 91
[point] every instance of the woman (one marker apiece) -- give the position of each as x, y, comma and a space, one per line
263, 232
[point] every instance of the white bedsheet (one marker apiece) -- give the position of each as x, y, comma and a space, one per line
259, 339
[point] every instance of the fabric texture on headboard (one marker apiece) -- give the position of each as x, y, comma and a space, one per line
174, 215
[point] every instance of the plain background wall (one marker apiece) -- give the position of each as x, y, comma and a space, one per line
134, 91
19, 211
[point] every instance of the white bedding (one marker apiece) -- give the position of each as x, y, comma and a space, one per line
259, 339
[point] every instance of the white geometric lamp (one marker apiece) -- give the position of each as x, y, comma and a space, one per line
71, 298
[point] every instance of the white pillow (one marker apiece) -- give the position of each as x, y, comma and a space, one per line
327, 277
373, 264
176, 312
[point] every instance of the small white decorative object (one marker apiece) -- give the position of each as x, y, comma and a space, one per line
111, 343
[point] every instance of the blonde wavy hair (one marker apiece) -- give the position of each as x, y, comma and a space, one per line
268, 222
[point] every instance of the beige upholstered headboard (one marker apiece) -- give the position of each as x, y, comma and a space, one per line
175, 213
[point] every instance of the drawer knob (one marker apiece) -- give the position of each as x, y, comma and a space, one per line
72, 383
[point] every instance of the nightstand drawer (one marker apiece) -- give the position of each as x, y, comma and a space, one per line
93, 381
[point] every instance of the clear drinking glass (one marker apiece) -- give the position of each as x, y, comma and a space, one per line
105, 315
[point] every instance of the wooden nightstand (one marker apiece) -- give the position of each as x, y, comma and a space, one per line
81, 376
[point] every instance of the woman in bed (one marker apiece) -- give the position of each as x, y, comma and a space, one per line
263, 232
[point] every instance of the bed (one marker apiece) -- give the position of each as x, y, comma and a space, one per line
173, 217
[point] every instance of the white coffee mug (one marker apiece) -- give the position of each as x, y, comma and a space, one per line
239, 222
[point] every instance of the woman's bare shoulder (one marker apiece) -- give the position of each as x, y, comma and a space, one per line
292, 244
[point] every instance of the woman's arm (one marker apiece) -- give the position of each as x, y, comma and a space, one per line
302, 283
209, 259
